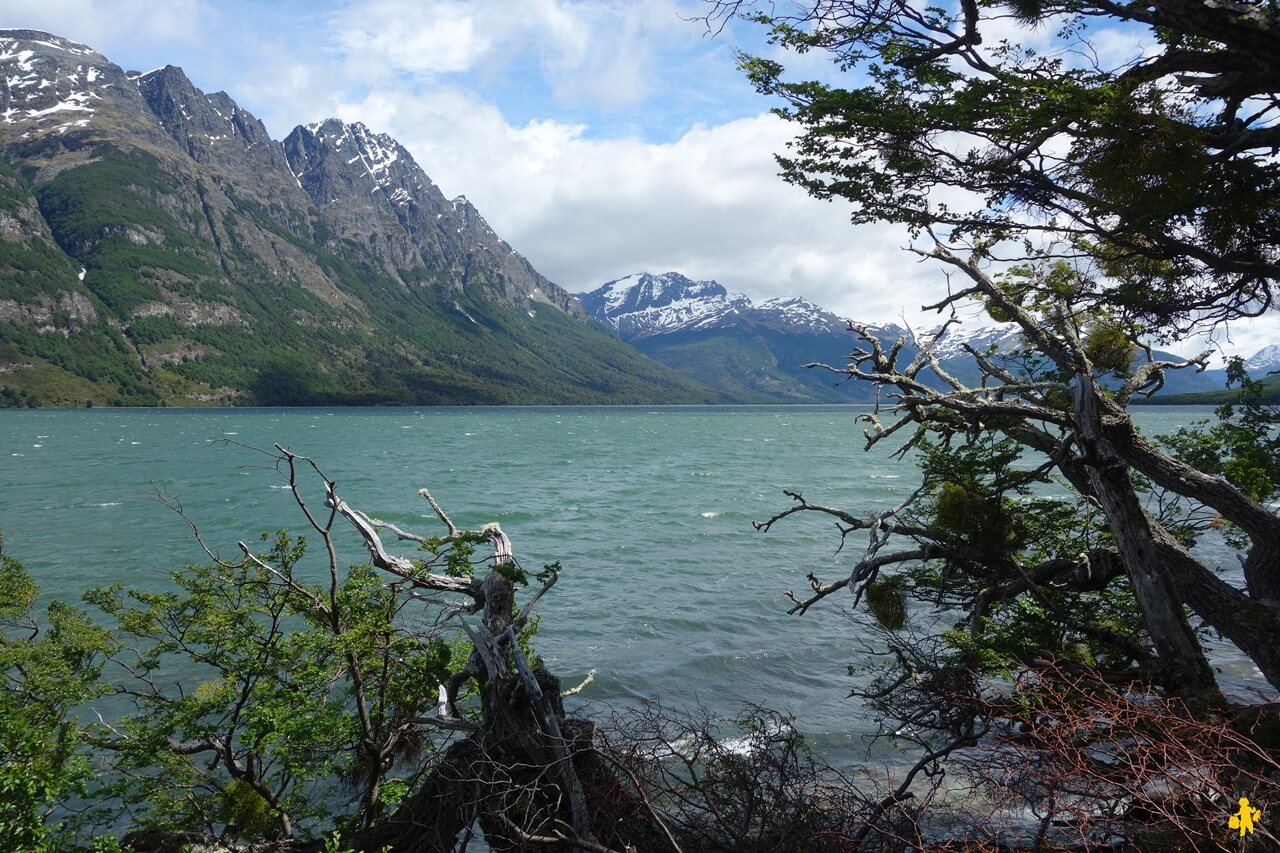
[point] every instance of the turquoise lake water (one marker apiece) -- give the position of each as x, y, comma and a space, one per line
668, 592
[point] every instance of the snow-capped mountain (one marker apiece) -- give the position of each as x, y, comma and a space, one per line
797, 314
952, 345
749, 352
1263, 361
642, 305
757, 352
368, 183
52, 83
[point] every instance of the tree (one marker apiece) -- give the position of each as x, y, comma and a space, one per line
271, 708
1097, 205
260, 700
1155, 166
50, 666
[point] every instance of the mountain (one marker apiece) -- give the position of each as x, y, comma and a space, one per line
642, 306
1264, 361
157, 246
750, 353
756, 353
1264, 366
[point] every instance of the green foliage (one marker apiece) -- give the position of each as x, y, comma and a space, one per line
392, 793
333, 843
1121, 161
108, 844
99, 354
292, 692
1110, 347
108, 214
887, 601
246, 810
456, 558
971, 485
1242, 446
30, 265
50, 665
992, 526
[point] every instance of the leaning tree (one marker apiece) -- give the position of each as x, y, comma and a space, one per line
1103, 177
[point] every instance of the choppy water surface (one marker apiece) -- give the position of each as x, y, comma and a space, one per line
668, 591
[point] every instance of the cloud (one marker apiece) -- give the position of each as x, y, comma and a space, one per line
709, 204
114, 26
585, 207
420, 38
599, 54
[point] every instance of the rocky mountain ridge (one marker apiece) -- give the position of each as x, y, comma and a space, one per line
643, 305
156, 245
750, 353
1264, 360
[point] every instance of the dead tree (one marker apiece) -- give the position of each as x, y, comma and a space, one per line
516, 767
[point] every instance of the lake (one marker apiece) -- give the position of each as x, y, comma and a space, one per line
667, 592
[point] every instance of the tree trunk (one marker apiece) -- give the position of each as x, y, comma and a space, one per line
1262, 565
1187, 670
516, 775
1250, 621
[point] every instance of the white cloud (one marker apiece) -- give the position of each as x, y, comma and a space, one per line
423, 38
593, 53
709, 204
116, 25
1243, 337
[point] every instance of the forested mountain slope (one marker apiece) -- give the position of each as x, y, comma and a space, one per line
157, 246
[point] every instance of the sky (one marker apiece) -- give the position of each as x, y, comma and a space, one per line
598, 137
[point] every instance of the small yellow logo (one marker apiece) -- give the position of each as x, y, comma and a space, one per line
1244, 819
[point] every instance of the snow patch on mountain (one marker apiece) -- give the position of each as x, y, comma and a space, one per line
641, 305
799, 314
378, 149
1264, 361
46, 78
1005, 338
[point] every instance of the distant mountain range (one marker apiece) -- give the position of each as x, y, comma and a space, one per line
756, 353
158, 247
750, 353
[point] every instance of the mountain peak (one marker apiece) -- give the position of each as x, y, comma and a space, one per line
796, 313
51, 83
367, 182
1264, 361
333, 158
642, 305
33, 39
213, 130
